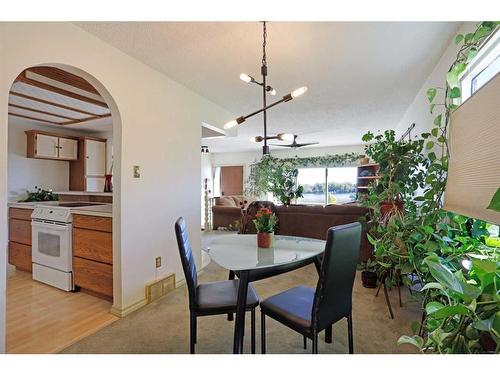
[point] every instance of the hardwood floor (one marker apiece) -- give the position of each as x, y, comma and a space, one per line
43, 319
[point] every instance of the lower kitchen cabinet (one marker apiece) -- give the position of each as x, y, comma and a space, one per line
20, 256
93, 254
93, 276
20, 238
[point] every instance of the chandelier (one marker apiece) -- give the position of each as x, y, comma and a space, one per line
266, 88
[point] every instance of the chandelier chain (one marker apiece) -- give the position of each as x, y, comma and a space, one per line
264, 43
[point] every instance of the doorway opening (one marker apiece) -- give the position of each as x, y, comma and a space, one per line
60, 273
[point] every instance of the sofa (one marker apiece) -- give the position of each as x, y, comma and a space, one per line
314, 221
227, 210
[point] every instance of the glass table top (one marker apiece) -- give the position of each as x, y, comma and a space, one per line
239, 252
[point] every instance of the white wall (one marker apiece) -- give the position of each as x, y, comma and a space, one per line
418, 111
23, 173
157, 127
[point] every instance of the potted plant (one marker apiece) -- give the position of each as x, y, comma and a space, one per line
369, 274
40, 195
265, 221
363, 160
283, 184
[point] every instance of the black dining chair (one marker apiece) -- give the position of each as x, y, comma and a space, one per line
214, 298
308, 311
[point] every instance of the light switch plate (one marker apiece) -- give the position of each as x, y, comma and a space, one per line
137, 171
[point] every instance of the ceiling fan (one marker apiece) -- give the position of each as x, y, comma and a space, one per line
294, 144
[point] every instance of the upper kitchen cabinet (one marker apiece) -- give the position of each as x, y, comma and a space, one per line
44, 145
87, 173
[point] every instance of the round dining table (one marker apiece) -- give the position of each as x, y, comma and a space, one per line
239, 254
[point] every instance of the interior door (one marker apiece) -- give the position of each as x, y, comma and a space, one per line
95, 158
47, 146
68, 149
231, 180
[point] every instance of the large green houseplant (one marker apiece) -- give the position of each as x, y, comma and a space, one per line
390, 201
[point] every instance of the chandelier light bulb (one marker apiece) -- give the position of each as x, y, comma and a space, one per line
272, 92
286, 137
298, 92
245, 78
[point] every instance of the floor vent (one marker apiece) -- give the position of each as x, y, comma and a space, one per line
159, 288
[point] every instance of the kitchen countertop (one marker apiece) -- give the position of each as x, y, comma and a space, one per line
104, 210
75, 192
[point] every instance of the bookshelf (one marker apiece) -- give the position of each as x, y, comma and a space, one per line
367, 174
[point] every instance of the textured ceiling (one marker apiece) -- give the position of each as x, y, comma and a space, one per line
360, 75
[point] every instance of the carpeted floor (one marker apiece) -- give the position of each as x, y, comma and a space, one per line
163, 326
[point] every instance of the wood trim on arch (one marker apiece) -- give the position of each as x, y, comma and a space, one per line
22, 78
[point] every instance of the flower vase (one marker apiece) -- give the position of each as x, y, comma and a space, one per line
265, 240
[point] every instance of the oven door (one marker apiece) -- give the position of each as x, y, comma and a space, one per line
52, 245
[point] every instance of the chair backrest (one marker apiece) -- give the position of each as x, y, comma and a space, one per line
187, 259
333, 297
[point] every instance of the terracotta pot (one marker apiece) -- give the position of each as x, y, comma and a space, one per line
387, 209
265, 240
369, 279
364, 161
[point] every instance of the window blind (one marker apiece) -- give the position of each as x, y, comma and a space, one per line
474, 164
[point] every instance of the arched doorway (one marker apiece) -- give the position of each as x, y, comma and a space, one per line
66, 106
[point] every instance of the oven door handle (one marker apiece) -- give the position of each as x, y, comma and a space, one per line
57, 227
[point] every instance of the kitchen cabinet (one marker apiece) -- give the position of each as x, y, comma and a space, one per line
93, 254
45, 145
20, 238
87, 173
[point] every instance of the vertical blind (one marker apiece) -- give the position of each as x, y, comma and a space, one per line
474, 164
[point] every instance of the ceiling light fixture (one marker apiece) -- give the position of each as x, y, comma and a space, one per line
265, 89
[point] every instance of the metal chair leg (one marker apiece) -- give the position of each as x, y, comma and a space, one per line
230, 316
349, 334
315, 344
253, 330
192, 333
388, 301
262, 332
399, 294
328, 335
305, 342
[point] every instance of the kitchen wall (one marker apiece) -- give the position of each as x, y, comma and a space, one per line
23, 173
156, 125
418, 111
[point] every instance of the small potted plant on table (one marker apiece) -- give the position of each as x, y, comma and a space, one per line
265, 221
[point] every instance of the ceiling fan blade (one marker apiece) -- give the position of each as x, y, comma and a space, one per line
273, 144
306, 144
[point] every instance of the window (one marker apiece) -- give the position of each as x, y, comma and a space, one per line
484, 67
324, 186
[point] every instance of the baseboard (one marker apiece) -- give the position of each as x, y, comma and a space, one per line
129, 309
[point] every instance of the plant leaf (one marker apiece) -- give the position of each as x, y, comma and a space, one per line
443, 275
416, 341
454, 93
459, 38
431, 94
449, 311
433, 306
429, 145
432, 286
437, 120
495, 201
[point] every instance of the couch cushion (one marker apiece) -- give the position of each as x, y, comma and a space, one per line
225, 201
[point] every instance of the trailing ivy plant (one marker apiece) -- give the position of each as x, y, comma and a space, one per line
264, 172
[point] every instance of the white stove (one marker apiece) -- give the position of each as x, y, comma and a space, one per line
51, 234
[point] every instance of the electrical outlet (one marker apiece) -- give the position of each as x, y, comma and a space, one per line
158, 262
137, 171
